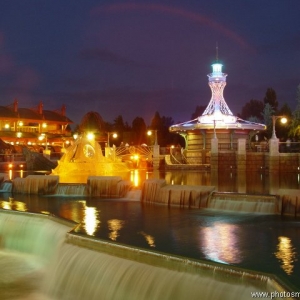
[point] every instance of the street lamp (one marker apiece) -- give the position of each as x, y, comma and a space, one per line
44, 136
113, 134
149, 132
274, 118
90, 136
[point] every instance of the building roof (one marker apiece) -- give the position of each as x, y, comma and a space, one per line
31, 114
6, 112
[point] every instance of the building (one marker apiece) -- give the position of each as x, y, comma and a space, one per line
20, 125
216, 122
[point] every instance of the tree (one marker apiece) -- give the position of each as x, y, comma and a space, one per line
139, 130
267, 114
282, 131
271, 98
199, 110
253, 110
295, 124
92, 121
162, 124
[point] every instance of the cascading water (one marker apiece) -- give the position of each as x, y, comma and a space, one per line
6, 187
46, 262
266, 204
84, 158
71, 190
28, 245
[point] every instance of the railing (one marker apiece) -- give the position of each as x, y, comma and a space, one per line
289, 147
128, 151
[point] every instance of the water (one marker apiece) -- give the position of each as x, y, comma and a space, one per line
265, 243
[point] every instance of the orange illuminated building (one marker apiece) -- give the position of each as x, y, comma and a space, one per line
20, 125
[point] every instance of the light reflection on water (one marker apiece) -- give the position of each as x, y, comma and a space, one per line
286, 254
114, 226
220, 243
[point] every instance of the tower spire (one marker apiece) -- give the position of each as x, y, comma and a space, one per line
217, 109
217, 52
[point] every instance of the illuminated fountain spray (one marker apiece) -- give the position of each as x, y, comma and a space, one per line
83, 159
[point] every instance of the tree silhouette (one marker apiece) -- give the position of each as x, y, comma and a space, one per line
139, 131
252, 110
271, 98
92, 121
199, 110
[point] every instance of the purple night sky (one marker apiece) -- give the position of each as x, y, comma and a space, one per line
134, 58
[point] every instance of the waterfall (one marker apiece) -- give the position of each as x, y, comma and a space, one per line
76, 267
71, 190
36, 184
34, 234
28, 244
6, 187
266, 204
106, 277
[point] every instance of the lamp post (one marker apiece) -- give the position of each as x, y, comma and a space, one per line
215, 134
42, 137
149, 132
113, 134
274, 118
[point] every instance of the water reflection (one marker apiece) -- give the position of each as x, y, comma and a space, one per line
114, 225
149, 238
91, 221
286, 254
225, 181
13, 204
220, 243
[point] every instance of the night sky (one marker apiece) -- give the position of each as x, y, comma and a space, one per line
135, 58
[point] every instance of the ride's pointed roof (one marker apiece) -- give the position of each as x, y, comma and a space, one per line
217, 113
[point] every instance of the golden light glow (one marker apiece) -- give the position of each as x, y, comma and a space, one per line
283, 120
21, 123
149, 239
6, 126
114, 225
19, 134
44, 125
134, 177
90, 136
286, 254
5, 204
90, 220
149, 132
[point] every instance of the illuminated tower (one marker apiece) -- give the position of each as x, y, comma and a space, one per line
217, 109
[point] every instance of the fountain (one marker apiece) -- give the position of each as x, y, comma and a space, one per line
84, 158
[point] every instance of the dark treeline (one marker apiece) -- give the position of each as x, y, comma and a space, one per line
260, 111
135, 134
